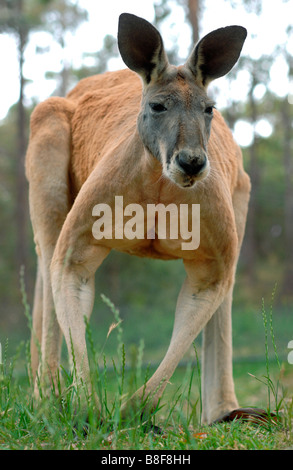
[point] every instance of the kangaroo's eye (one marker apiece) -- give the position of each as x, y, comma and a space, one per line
209, 110
158, 107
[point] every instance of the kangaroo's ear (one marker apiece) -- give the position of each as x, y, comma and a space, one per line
216, 54
141, 47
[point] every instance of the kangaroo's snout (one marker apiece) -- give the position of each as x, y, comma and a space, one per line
191, 163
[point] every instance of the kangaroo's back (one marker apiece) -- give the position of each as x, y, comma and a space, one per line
106, 109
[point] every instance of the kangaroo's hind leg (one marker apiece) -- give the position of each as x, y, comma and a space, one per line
217, 383
47, 164
37, 314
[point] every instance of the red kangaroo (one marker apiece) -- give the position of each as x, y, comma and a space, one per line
150, 134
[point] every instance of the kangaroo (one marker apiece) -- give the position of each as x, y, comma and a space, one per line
150, 134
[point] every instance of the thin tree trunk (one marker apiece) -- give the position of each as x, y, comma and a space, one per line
288, 202
253, 170
21, 189
193, 16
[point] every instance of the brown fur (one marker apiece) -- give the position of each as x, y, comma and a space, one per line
84, 150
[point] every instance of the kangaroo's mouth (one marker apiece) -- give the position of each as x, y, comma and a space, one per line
184, 180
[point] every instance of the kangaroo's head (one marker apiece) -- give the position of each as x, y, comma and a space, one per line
176, 114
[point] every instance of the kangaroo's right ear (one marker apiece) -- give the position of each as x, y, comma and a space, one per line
216, 54
141, 47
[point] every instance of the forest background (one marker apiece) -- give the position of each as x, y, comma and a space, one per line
260, 117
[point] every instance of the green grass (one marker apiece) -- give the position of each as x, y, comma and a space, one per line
72, 420
52, 423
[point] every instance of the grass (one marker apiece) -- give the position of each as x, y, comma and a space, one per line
59, 424
72, 420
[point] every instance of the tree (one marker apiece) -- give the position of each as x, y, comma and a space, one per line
259, 70
192, 9
18, 19
193, 16
286, 120
288, 199
101, 59
259, 73
59, 18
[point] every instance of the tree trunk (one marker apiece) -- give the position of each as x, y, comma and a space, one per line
250, 246
21, 188
193, 16
288, 202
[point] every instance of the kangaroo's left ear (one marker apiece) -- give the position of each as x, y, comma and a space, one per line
216, 54
141, 47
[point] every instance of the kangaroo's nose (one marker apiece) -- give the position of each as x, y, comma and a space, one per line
191, 164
